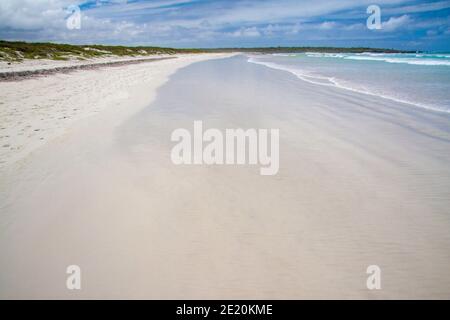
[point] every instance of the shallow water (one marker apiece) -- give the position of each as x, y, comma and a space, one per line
420, 79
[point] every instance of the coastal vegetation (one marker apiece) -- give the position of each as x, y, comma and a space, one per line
18, 51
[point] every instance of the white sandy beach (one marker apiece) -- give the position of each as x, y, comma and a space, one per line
37, 110
86, 179
47, 64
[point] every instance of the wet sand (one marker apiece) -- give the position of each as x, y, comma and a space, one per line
362, 181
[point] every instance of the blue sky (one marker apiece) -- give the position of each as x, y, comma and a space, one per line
406, 24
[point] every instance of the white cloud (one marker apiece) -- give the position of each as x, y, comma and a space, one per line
32, 14
173, 22
395, 23
247, 32
327, 25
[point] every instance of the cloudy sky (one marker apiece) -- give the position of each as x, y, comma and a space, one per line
405, 24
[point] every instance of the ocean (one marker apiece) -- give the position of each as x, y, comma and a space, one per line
421, 80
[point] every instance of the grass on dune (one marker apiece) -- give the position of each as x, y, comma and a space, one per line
17, 51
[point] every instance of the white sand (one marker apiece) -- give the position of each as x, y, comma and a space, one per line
35, 111
45, 64
362, 181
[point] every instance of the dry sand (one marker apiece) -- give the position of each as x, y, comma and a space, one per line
46, 64
37, 110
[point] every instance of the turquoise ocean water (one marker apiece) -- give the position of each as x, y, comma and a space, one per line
421, 80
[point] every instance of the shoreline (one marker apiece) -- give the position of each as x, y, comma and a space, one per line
36, 110
334, 84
